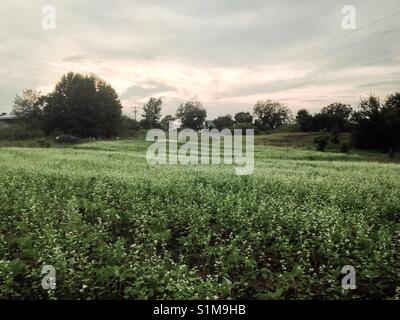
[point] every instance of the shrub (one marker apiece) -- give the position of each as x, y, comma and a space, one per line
20, 132
244, 126
345, 148
335, 137
43, 143
128, 127
321, 141
65, 138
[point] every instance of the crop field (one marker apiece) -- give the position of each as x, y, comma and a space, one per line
115, 228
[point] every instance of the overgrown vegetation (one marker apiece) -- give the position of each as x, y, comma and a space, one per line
87, 106
113, 227
374, 125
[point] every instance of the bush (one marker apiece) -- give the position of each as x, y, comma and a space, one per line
291, 127
65, 138
377, 124
321, 141
128, 127
244, 126
43, 143
20, 132
345, 148
335, 137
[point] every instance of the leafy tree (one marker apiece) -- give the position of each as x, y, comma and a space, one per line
28, 107
223, 122
152, 113
128, 127
336, 116
271, 115
340, 110
368, 123
305, 120
243, 117
321, 141
82, 106
192, 115
377, 125
164, 124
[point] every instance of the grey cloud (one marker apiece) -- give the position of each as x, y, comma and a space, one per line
146, 89
221, 34
75, 58
383, 83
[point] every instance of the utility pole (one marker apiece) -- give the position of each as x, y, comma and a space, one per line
135, 111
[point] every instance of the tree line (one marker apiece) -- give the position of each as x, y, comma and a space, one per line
87, 106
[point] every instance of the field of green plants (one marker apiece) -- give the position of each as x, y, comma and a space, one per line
115, 228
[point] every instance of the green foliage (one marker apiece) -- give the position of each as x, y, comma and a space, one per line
290, 127
28, 108
271, 115
151, 113
334, 117
243, 117
377, 125
243, 126
20, 131
224, 122
128, 127
84, 106
305, 120
65, 138
321, 141
344, 148
192, 115
164, 124
335, 139
113, 227
44, 143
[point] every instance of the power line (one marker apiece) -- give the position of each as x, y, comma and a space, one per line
344, 71
338, 37
351, 45
352, 31
346, 47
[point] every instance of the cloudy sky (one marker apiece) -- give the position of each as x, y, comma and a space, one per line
225, 53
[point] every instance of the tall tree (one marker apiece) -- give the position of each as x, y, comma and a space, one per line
224, 122
83, 106
243, 117
271, 114
391, 116
164, 123
305, 120
152, 113
192, 115
336, 116
27, 107
369, 122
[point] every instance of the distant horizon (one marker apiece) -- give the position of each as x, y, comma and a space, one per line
126, 109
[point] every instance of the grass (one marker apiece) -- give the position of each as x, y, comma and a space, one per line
114, 227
